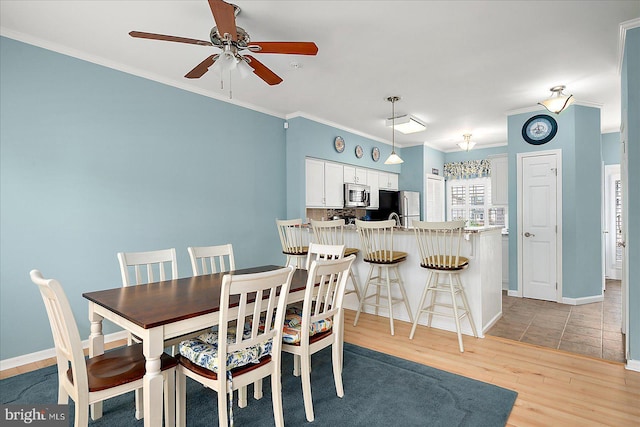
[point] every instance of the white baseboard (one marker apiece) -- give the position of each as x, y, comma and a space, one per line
633, 365
51, 352
513, 293
583, 300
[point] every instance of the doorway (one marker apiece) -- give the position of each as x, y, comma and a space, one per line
613, 222
539, 225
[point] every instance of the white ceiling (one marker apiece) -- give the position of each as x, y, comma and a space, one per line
459, 66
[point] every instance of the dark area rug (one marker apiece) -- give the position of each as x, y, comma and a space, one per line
380, 390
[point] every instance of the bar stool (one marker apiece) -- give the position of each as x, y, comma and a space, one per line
332, 233
439, 246
376, 238
293, 242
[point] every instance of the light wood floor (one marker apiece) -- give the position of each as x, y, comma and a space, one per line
555, 388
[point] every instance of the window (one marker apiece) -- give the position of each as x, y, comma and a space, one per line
470, 200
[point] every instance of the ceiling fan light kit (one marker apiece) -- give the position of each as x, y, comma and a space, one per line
226, 35
393, 158
406, 124
558, 101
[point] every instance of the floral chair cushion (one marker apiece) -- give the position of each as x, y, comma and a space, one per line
203, 350
293, 325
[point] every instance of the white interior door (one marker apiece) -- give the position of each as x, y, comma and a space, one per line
613, 222
622, 241
538, 229
434, 198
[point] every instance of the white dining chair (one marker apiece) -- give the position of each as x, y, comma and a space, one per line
250, 350
137, 268
89, 381
211, 259
316, 325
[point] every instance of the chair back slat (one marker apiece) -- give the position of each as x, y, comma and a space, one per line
64, 329
211, 259
328, 232
144, 265
269, 292
376, 238
439, 243
318, 251
292, 236
324, 301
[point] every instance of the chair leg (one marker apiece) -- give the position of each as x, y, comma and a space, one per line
170, 398
433, 286
223, 402
389, 300
336, 358
420, 306
296, 365
139, 398
63, 396
306, 385
276, 398
454, 304
181, 398
355, 284
378, 290
466, 306
404, 293
364, 295
242, 397
82, 412
257, 389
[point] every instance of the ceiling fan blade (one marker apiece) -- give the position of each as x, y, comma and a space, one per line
292, 48
141, 35
201, 68
225, 16
260, 70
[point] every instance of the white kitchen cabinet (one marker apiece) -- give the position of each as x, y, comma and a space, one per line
374, 195
353, 175
499, 180
388, 181
323, 184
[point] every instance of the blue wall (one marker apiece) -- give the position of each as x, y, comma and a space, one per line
96, 161
611, 148
631, 115
474, 154
579, 139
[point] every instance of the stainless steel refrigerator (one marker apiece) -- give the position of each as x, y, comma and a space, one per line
409, 204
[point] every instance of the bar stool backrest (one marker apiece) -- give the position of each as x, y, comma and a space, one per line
291, 236
439, 244
376, 238
328, 232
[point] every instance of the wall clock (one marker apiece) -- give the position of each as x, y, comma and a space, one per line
338, 143
359, 151
375, 154
539, 129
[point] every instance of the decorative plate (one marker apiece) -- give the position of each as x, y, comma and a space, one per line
359, 151
539, 129
375, 154
338, 143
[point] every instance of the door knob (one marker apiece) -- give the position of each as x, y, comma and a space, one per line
527, 234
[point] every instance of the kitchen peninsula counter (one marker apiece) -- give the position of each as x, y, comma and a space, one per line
482, 280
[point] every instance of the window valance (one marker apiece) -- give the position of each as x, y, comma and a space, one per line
467, 169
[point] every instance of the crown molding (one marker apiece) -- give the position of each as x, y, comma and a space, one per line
624, 27
338, 126
65, 50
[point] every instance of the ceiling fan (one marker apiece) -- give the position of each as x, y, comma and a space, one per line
233, 40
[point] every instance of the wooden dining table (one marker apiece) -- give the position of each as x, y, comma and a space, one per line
159, 311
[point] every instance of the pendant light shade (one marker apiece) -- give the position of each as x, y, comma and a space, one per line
558, 101
393, 158
467, 144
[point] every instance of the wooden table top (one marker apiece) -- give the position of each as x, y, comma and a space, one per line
161, 303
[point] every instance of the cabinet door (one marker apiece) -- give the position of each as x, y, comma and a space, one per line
314, 183
333, 185
499, 180
393, 181
349, 175
372, 182
383, 180
361, 176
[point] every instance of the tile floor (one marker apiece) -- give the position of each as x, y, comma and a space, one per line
590, 329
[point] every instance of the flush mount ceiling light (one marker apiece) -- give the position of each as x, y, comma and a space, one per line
393, 158
558, 101
467, 144
406, 124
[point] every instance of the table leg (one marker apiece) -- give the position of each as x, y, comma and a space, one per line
153, 346
96, 348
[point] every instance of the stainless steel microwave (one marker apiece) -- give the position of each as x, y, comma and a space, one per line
356, 196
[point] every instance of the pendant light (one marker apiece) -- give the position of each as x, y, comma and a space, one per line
393, 158
558, 101
467, 144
